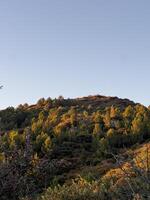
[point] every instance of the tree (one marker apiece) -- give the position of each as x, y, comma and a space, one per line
60, 98
97, 131
47, 143
73, 116
97, 118
41, 102
140, 124
107, 119
12, 137
48, 104
129, 112
112, 112
110, 133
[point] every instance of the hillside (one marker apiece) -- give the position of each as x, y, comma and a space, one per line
125, 176
64, 144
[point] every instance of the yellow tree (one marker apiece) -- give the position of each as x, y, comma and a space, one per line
97, 131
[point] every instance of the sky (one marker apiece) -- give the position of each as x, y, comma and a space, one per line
74, 48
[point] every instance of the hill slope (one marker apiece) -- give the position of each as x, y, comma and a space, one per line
49, 143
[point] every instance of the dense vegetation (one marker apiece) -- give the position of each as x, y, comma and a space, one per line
67, 149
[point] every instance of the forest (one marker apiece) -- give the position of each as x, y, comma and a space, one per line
94, 147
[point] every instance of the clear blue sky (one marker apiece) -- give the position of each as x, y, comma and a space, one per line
74, 48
